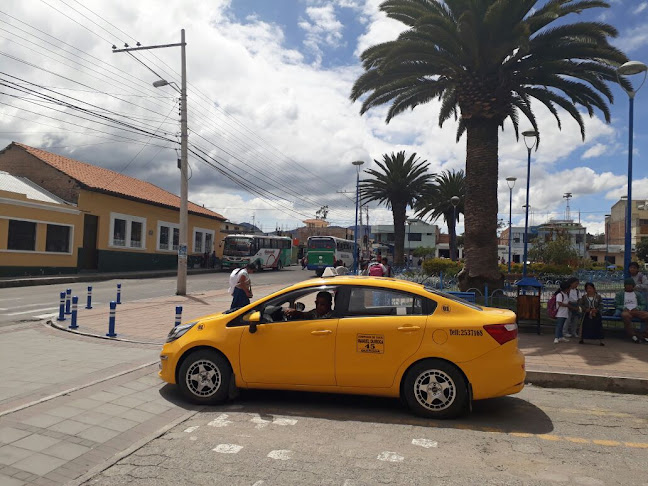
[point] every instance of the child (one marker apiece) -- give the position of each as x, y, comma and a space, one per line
562, 304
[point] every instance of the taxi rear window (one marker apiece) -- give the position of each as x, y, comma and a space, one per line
453, 297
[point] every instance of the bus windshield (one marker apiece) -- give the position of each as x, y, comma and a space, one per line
238, 247
321, 244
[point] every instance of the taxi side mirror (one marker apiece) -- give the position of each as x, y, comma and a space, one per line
254, 319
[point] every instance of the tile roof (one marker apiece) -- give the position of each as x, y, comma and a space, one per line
105, 180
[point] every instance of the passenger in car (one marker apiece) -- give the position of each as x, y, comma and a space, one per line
323, 308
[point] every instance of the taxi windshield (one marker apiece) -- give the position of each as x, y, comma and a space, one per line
453, 297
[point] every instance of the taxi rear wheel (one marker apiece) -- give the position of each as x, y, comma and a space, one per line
204, 377
435, 389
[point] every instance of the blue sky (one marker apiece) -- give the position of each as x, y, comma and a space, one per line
274, 79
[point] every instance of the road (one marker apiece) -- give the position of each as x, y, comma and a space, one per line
20, 304
541, 436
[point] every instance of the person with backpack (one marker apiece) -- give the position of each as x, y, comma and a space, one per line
241, 286
388, 269
377, 269
558, 307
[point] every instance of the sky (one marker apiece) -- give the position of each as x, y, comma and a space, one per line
269, 109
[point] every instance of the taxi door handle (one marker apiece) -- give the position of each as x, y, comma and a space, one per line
408, 328
321, 332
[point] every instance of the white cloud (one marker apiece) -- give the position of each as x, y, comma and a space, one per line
633, 39
323, 29
640, 8
595, 151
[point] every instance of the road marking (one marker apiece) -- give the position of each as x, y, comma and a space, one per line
189, 430
639, 445
553, 438
262, 423
427, 443
220, 421
45, 316
610, 443
390, 457
260, 482
227, 448
30, 311
12, 298
283, 421
280, 455
193, 437
576, 440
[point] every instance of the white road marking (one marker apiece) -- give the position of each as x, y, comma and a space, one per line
260, 482
12, 298
283, 421
227, 448
280, 455
220, 421
427, 443
262, 423
193, 437
390, 457
30, 311
189, 430
45, 316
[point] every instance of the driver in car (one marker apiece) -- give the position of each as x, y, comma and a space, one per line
322, 310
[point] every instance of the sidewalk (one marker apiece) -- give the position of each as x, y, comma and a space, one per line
620, 365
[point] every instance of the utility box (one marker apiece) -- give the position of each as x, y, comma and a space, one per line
528, 300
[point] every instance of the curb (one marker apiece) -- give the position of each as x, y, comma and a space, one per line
614, 384
98, 336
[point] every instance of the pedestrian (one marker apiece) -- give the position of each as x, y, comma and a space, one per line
641, 285
388, 269
573, 321
631, 304
591, 305
562, 312
377, 269
420, 262
304, 262
241, 286
410, 259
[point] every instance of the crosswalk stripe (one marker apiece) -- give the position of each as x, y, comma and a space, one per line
31, 311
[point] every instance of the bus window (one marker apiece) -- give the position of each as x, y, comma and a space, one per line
321, 244
238, 246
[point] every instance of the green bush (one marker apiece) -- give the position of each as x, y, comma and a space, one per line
436, 265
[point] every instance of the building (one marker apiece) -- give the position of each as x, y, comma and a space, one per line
126, 224
443, 247
417, 234
37, 229
565, 228
517, 243
615, 222
612, 253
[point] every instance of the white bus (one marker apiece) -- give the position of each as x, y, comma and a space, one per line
273, 252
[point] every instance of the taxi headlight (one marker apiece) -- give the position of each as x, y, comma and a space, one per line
178, 331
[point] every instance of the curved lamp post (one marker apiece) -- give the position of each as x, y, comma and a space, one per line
510, 181
454, 200
630, 68
357, 163
530, 140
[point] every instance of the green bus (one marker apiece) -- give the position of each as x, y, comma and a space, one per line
325, 251
274, 252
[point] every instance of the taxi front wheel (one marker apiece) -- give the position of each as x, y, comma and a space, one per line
204, 377
435, 389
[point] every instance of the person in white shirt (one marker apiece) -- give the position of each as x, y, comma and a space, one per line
240, 286
631, 304
573, 321
562, 306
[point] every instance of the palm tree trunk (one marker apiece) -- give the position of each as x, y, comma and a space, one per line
398, 212
480, 243
452, 231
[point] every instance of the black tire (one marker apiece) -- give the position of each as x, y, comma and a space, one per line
448, 397
204, 377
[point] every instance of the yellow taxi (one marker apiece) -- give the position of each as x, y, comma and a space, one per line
364, 335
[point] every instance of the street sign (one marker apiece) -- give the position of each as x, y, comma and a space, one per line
182, 252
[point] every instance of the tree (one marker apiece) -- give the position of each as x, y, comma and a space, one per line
642, 249
397, 184
559, 251
485, 60
436, 201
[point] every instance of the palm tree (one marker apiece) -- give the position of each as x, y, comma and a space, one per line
397, 185
436, 201
485, 60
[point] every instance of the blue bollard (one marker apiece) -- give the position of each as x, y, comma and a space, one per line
440, 280
75, 301
486, 295
178, 318
61, 316
89, 303
111, 319
68, 297
119, 293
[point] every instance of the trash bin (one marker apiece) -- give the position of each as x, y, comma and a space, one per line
528, 300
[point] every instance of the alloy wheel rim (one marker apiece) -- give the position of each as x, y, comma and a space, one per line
435, 390
203, 378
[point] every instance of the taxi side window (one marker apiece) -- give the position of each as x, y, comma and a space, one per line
375, 301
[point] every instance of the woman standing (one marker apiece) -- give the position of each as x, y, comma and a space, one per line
562, 312
591, 304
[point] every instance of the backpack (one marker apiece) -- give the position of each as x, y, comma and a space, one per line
376, 270
552, 309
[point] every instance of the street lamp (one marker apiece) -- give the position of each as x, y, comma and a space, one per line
630, 68
510, 181
409, 231
357, 163
454, 200
607, 238
530, 140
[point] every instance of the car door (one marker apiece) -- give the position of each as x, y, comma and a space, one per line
377, 332
295, 352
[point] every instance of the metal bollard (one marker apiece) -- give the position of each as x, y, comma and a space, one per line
119, 293
68, 297
61, 316
178, 318
486, 295
111, 319
89, 303
75, 301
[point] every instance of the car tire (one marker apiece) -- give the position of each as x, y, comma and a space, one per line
204, 377
435, 389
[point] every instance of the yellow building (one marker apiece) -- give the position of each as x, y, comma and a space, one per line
123, 224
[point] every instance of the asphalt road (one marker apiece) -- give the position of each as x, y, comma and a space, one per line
20, 304
538, 437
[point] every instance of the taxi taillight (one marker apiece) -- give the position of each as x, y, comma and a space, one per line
502, 333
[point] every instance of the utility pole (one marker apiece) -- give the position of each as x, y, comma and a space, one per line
181, 288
